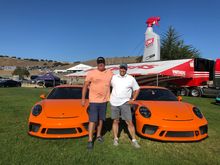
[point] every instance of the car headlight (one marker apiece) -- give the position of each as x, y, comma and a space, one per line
36, 110
197, 112
145, 112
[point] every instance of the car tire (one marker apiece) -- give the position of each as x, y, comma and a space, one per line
183, 92
195, 92
40, 83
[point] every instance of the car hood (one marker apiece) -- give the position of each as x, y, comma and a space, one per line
169, 110
63, 108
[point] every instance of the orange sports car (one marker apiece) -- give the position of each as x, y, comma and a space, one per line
60, 114
160, 115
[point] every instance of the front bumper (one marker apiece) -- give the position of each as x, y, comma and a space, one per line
173, 131
55, 128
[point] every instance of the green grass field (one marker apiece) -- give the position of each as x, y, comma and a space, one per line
17, 147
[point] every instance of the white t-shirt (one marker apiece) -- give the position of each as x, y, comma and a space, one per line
123, 86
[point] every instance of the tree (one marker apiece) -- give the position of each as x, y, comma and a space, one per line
21, 72
173, 47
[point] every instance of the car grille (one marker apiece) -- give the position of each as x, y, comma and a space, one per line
62, 131
180, 134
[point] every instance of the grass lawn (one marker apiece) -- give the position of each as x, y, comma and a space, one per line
17, 147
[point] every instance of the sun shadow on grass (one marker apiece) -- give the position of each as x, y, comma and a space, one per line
160, 141
214, 103
107, 127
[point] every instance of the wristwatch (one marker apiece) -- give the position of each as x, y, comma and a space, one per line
133, 99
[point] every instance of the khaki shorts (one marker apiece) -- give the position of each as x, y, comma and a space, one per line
123, 111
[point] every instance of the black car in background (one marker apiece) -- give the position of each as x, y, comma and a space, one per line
9, 83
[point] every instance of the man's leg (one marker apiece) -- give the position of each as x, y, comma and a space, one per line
131, 128
99, 128
115, 115
115, 126
91, 129
93, 117
127, 116
101, 116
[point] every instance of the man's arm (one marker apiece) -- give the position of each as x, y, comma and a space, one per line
136, 89
135, 94
84, 90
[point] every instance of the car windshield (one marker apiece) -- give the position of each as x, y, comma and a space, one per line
66, 93
154, 94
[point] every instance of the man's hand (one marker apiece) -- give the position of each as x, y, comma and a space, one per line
135, 95
83, 101
131, 101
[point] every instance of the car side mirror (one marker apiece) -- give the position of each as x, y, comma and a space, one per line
43, 96
179, 98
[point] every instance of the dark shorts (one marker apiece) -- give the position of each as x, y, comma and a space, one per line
97, 111
123, 111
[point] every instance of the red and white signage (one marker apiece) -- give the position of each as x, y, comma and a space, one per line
149, 42
170, 68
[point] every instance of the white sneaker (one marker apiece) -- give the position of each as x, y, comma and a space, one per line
135, 143
115, 142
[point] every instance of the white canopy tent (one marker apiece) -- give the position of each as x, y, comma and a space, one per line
79, 67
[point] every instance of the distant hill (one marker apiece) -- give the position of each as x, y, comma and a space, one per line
36, 66
13, 61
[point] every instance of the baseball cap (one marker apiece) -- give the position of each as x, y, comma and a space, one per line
100, 60
123, 65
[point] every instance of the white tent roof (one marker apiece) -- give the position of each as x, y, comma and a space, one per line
147, 68
80, 67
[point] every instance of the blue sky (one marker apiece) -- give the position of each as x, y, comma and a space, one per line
78, 30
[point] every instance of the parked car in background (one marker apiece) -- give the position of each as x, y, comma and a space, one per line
9, 83
47, 83
217, 100
46, 80
34, 77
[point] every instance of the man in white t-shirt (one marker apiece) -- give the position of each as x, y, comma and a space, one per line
124, 89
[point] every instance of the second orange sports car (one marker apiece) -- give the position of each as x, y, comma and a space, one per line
160, 115
60, 114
